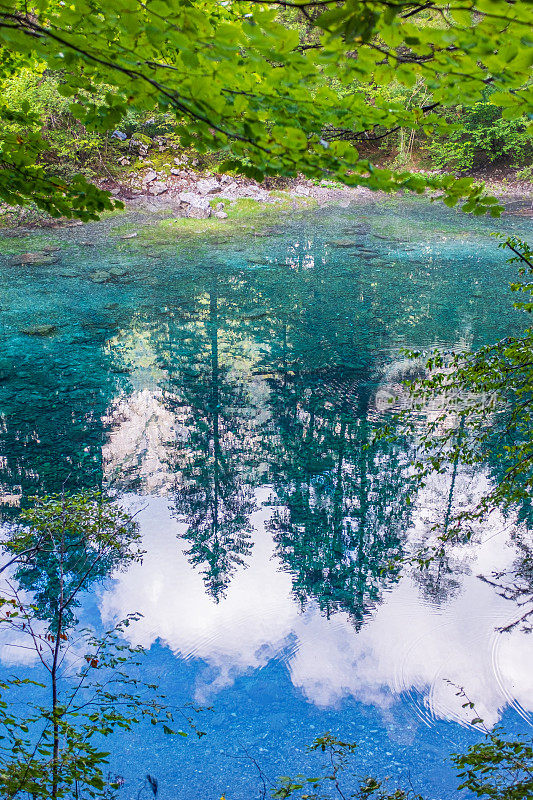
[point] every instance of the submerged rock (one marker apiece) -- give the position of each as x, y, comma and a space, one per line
342, 243
6, 372
108, 275
367, 253
39, 330
101, 276
40, 258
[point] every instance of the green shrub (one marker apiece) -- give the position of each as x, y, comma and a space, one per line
483, 138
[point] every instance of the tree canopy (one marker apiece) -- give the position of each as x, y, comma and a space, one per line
283, 87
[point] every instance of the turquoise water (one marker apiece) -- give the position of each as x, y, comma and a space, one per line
227, 388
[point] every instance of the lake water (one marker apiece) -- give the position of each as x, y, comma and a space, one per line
226, 388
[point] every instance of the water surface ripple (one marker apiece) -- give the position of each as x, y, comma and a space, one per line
229, 389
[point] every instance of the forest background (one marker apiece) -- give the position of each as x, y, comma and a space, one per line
387, 95
483, 143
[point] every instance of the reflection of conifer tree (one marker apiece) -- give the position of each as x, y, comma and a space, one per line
503, 443
213, 461
51, 429
342, 515
341, 497
487, 443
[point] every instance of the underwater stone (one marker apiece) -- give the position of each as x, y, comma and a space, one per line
6, 372
101, 276
39, 259
265, 261
342, 243
40, 330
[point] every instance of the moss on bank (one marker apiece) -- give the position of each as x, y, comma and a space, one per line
244, 216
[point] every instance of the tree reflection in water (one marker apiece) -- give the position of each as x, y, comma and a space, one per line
341, 497
211, 462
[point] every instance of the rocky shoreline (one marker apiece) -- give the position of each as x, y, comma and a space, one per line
200, 196
191, 194
187, 193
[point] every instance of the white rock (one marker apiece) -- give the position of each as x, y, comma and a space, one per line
158, 188
220, 215
194, 200
259, 194
194, 212
301, 190
236, 192
208, 186
175, 171
231, 187
150, 176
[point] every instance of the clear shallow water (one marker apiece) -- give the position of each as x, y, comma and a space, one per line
226, 387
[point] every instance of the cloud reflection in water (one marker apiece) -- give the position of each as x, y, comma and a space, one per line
407, 649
